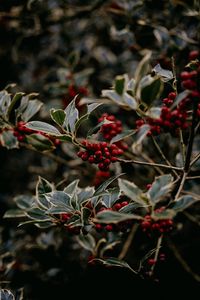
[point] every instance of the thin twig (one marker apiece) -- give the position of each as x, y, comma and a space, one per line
191, 218
183, 263
158, 246
192, 177
163, 155
194, 160
148, 159
128, 241
182, 145
144, 163
174, 74
180, 186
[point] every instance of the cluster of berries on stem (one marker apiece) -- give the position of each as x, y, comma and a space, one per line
102, 154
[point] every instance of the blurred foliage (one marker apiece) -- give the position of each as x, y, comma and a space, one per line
57, 48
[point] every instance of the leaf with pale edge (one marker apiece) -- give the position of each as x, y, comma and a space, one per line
8, 140
87, 242
115, 262
160, 188
108, 216
131, 190
43, 186
43, 127
182, 203
6, 295
104, 185
72, 115
58, 116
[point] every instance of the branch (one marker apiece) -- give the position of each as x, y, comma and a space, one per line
194, 160
150, 164
158, 246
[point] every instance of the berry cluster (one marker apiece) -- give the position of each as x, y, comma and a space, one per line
149, 225
72, 91
101, 153
170, 120
110, 130
100, 177
121, 226
20, 132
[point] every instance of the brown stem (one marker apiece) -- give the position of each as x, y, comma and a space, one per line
158, 246
128, 242
150, 164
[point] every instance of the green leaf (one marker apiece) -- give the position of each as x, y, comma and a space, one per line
108, 216
182, 203
8, 140
87, 242
115, 262
43, 187
72, 115
160, 188
85, 215
58, 116
24, 202
131, 190
32, 108
105, 184
123, 135
165, 75
39, 142
154, 112
130, 208
61, 209
14, 213
43, 127
120, 84
149, 89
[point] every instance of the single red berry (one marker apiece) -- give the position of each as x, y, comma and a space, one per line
151, 261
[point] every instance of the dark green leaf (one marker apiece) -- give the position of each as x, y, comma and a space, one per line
182, 203
165, 214
58, 116
40, 142
85, 214
120, 84
150, 89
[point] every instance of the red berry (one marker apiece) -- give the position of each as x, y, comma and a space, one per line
151, 261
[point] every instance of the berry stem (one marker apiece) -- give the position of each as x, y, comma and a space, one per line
158, 246
183, 149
